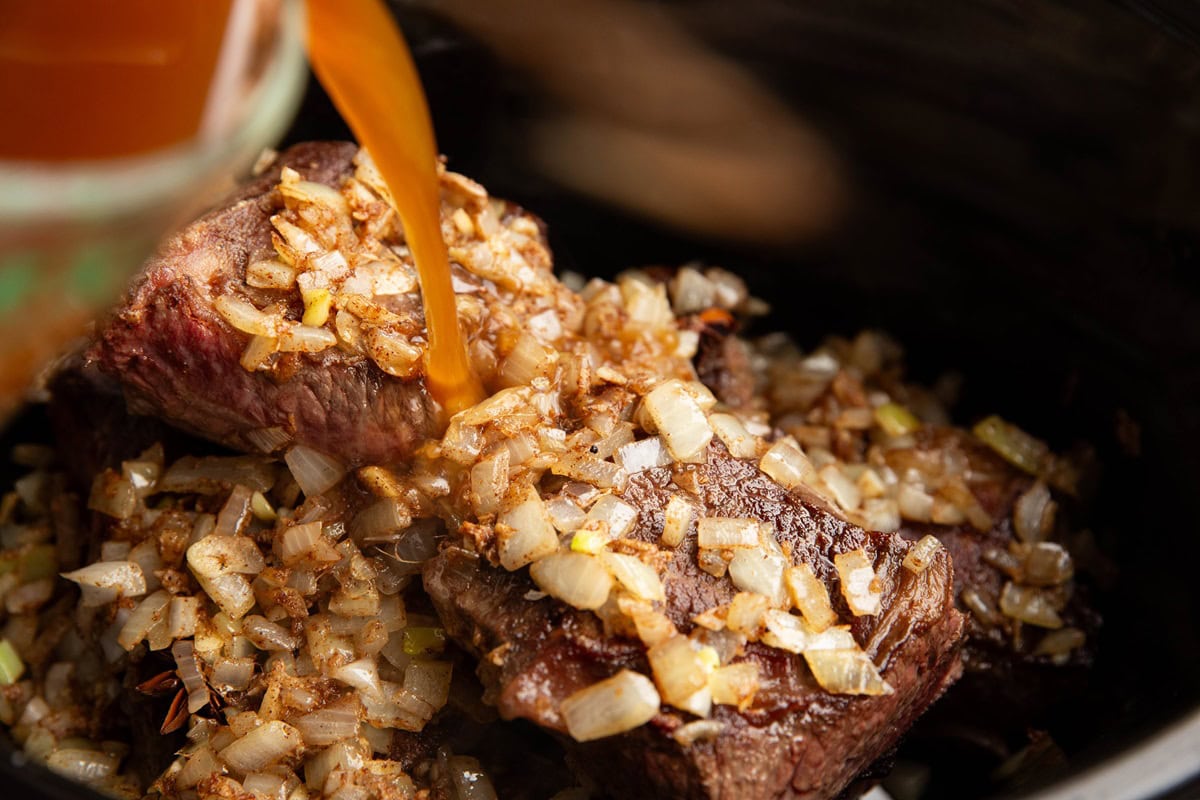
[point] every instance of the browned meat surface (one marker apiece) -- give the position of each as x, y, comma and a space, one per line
177, 359
795, 739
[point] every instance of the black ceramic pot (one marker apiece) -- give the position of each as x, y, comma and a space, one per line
1023, 207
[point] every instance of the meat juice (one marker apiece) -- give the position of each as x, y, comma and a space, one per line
362, 61
81, 79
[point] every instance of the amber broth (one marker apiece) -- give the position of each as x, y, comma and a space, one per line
362, 61
91, 79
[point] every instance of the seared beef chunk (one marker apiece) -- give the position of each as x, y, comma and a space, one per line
794, 739
177, 359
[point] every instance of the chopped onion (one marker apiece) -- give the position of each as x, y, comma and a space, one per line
11, 666
1029, 605
231, 592
643, 455
786, 464
362, 675
1059, 643
735, 684
189, 673
382, 521
220, 555
737, 440
84, 766
788, 632
578, 579
618, 515
1013, 444
846, 671
469, 780
113, 496
489, 482
652, 626
879, 514
725, 532
746, 613
638, 577
1033, 514
921, 554
679, 670
213, 474
565, 515
698, 730
105, 581
429, 681
861, 587
267, 635
182, 616
1046, 564
232, 674
525, 532
589, 469
915, 504
305, 338
268, 440
270, 274
678, 419
529, 359
243, 316
306, 541
621, 703
677, 519
896, 420
755, 570
150, 612
313, 470
262, 746
691, 292
841, 487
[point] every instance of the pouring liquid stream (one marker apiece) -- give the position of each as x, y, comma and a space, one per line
362, 61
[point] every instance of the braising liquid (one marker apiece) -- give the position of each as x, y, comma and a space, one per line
96, 79
362, 61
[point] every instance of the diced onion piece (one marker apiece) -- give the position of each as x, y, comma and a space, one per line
788, 632
915, 504
678, 419
268, 440
219, 555
525, 532
722, 532
257, 354
150, 612
182, 616
215, 474
841, 487
1013, 444
305, 339
846, 671
618, 515
317, 303
105, 581
896, 420
529, 359
393, 352
810, 596
362, 675
1046, 564
698, 730
589, 469
746, 613
1059, 643
382, 521
677, 519
489, 482
232, 674
870, 485
638, 577
643, 455
565, 515
429, 681
1033, 514
243, 316
270, 274
755, 570
646, 303
860, 585
262, 746
621, 703
11, 665
113, 496
300, 542
879, 514
267, 635
1029, 605
82, 765
232, 592
189, 673
786, 464
578, 579
652, 626
735, 684
313, 470
737, 440
921, 554
691, 291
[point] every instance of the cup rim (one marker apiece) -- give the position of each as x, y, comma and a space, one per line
102, 190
